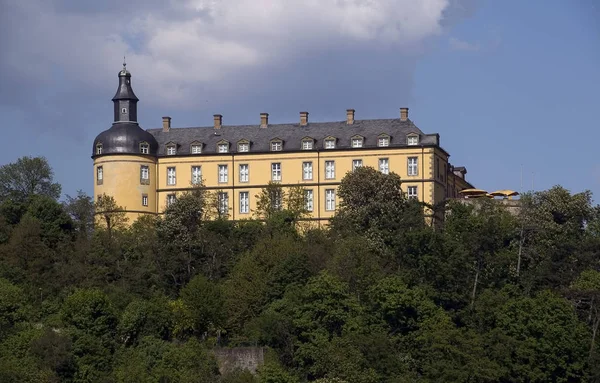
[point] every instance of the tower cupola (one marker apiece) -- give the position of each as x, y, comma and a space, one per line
125, 101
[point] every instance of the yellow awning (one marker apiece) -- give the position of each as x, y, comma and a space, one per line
472, 191
504, 193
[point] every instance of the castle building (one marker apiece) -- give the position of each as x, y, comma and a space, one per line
145, 170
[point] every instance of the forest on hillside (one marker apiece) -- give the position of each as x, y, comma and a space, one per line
377, 296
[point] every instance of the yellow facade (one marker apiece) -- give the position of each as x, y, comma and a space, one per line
121, 176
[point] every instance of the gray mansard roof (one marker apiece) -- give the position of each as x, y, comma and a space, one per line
292, 135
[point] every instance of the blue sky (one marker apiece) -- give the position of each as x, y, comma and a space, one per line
507, 84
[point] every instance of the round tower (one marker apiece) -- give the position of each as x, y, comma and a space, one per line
125, 156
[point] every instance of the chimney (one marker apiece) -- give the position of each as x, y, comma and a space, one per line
349, 116
218, 121
166, 124
303, 118
264, 120
403, 114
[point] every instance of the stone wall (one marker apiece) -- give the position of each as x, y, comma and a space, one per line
244, 358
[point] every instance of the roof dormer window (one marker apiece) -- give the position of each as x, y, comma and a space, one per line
276, 145
98, 149
307, 143
357, 141
243, 146
383, 140
196, 147
329, 143
412, 139
171, 149
223, 146
144, 148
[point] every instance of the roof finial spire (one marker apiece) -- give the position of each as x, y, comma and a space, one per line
124, 63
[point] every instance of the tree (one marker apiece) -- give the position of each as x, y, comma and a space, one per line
587, 289
11, 306
269, 201
81, 211
27, 177
111, 216
204, 301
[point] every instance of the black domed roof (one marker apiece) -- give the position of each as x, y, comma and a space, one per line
125, 138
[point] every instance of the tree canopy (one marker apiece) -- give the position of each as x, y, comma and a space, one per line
379, 296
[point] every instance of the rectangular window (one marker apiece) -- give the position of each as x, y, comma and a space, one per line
412, 192
412, 140
223, 174
307, 171
196, 175
144, 148
384, 165
356, 164
144, 199
223, 200
243, 147
384, 141
329, 144
244, 173
438, 168
309, 200
99, 175
171, 176
244, 202
98, 149
329, 199
329, 170
413, 169
144, 175
223, 148
307, 145
171, 199
357, 142
276, 146
276, 171
196, 149
171, 150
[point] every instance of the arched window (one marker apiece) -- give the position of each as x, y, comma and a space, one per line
144, 148
99, 148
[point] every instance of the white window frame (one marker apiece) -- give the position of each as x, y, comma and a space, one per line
171, 199
244, 202
309, 200
196, 174
144, 148
329, 199
357, 142
144, 199
99, 174
244, 173
243, 147
307, 171
357, 164
171, 150
307, 144
99, 148
384, 165
223, 174
276, 146
276, 171
223, 202
223, 147
412, 192
330, 143
144, 173
171, 176
383, 142
196, 149
412, 140
413, 166
329, 170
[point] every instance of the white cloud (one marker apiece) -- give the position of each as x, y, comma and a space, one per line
176, 48
461, 45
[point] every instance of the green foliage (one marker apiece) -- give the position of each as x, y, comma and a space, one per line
27, 177
378, 297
